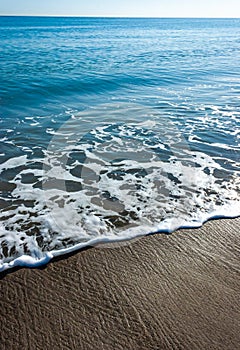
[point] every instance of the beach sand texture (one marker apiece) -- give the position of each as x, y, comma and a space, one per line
178, 291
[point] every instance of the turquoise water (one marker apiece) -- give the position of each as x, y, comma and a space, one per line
114, 128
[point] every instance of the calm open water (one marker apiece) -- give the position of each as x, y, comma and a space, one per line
114, 128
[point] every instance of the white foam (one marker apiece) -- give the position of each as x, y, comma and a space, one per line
13, 163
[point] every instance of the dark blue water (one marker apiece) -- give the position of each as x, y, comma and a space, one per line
113, 128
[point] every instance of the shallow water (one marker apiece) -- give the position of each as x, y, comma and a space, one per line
114, 128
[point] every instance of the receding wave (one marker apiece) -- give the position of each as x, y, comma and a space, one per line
115, 172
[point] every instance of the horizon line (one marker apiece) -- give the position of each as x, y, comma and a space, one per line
86, 16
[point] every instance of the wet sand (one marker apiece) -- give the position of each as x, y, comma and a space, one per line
179, 291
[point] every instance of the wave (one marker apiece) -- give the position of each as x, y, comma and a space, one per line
112, 173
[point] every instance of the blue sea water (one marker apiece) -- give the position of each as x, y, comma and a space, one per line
113, 128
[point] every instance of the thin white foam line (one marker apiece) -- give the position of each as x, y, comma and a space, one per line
29, 261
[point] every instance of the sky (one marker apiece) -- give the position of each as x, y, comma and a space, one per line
123, 8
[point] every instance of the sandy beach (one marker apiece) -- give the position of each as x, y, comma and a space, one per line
178, 291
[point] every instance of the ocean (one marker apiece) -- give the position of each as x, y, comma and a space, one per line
114, 128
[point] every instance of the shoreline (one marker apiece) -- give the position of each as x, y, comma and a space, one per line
177, 291
27, 261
